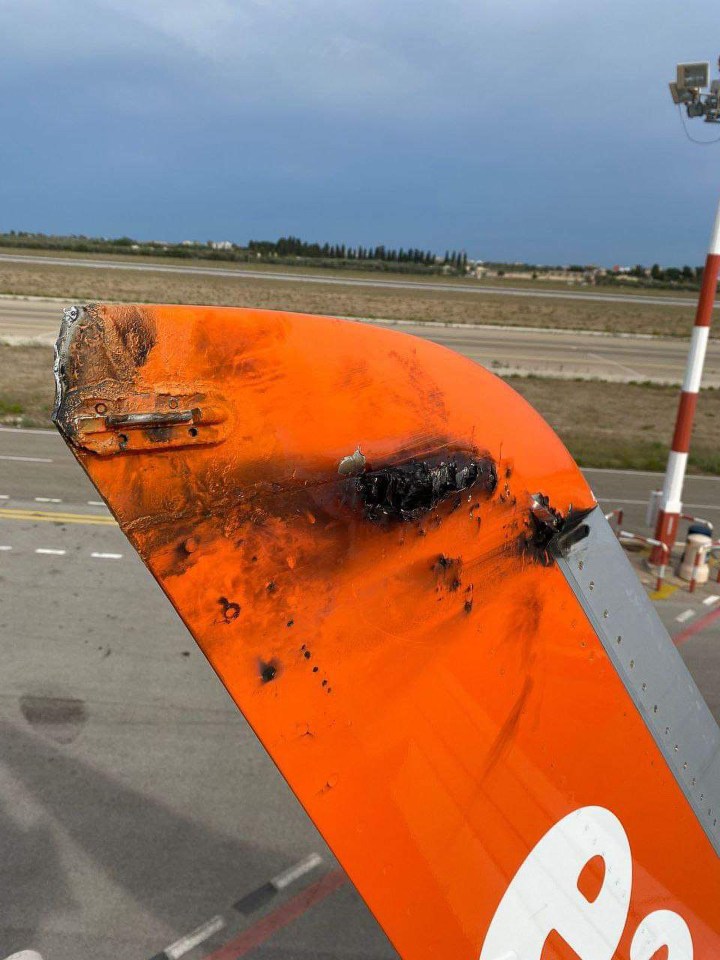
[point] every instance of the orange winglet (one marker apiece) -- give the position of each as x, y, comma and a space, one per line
385, 553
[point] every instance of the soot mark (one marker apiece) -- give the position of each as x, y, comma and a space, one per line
60, 718
550, 532
448, 571
406, 491
230, 610
136, 331
468, 604
268, 670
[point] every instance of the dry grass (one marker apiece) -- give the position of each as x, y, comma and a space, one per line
453, 306
27, 385
622, 424
618, 425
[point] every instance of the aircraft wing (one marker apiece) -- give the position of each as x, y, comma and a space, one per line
407, 587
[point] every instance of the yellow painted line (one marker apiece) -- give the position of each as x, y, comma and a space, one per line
52, 516
665, 591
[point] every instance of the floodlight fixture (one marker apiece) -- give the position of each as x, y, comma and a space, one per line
693, 76
687, 90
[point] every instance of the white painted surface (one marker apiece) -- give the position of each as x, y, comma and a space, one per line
544, 897
26, 459
662, 929
193, 939
544, 894
284, 879
672, 488
715, 236
696, 359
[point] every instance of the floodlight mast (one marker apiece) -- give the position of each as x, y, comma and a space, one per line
670, 505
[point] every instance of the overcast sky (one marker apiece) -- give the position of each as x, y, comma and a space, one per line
523, 130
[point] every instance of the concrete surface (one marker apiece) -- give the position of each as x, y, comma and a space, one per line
135, 803
505, 350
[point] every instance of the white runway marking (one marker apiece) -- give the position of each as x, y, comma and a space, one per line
51, 552
294, 873
26, 459
685, 615
187, 943
47, 500
35, 433
95, 503
5, 547
107, 556
711, 599
643, 503
4, 496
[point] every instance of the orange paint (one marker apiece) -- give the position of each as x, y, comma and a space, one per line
433, 693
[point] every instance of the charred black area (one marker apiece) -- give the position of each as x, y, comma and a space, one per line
137, 333
230, 610
550, 532
409, 490
268, 670
448, 571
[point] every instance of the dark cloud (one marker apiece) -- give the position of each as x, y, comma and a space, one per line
519, 131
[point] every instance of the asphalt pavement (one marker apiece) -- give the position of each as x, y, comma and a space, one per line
505, 350
136, 806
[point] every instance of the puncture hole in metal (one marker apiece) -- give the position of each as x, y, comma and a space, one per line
193, 431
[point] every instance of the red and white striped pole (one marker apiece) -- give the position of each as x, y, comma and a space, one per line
670, 506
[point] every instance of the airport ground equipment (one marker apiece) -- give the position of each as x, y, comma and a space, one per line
406, 585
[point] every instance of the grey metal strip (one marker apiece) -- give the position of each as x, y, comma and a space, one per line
649, 665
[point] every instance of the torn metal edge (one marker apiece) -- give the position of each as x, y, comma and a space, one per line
70, 317
649, 665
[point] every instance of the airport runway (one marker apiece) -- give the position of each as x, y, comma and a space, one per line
459, 286
135, 803
505, 350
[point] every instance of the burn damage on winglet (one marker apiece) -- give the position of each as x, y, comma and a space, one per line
93, 351
551, 533
407, 491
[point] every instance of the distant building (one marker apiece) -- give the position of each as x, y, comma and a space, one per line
221, 244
